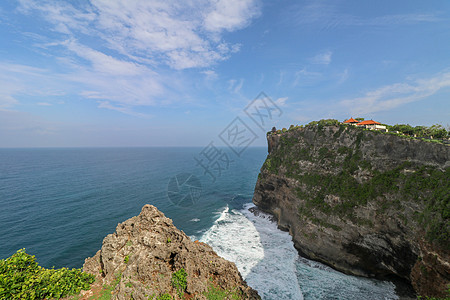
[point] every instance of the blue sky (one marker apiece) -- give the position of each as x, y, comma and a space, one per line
176, 73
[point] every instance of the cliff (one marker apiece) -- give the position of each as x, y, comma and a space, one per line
363, 202
149, 258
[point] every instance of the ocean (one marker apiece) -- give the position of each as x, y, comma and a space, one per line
59, 204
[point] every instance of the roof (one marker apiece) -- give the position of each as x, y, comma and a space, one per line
351, 120
369, 122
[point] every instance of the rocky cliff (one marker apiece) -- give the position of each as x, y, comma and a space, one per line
363, 202
149, 258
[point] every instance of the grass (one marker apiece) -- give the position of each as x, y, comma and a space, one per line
107, 290
216, 293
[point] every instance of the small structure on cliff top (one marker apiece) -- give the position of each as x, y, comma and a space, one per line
369, 124
351, 121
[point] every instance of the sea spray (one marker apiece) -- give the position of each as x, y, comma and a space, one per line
263, 254
319, 281
269, 263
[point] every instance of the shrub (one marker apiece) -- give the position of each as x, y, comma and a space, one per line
22, 278
216, 293
179, 281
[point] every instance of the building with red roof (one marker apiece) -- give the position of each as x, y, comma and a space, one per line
351, 121
369, 124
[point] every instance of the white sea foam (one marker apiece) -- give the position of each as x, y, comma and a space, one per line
263, 254
195, 220
322, 282
269, 263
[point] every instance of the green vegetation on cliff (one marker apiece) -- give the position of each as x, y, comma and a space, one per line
435, 133
22, 278
388, 189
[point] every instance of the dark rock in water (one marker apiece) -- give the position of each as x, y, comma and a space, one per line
140, 258
362, 202
259, 213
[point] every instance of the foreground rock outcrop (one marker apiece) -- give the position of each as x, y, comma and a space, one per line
149, 258
363, 202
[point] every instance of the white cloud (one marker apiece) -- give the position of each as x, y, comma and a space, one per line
281, 101
403, 19
210, 74
322, 58
178, 34
64, 17
231, 15
392, 96
281, 78
328, 16
235, 86
342, 77
44, 104
137, 45
142, 90
6, 100
122, 109
106, 64
18, 80
304, 77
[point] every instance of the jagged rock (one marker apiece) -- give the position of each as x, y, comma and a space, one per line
379, 236
138, 261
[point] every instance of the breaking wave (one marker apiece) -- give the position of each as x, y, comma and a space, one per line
268, 261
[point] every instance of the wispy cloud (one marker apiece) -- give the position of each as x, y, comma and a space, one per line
392, 96
281, 101
304, 77
122, 109
179, 34
210, 74
14, 124
323, 58
343, 76
235, 86
140, 45
231, 15
281, 78
18, 80
329, 16
103, 63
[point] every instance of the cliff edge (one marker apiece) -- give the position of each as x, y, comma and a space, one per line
149, 258
363, 202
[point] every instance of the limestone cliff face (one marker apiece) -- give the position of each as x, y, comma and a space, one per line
363, 202
140, 259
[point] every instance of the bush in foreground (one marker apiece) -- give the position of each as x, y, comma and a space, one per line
22, 278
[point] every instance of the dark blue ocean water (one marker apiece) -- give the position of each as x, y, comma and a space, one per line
59, 204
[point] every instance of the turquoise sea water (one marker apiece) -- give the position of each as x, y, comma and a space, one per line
59, 204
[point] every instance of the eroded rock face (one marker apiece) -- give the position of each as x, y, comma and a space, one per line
359, 201
138, 260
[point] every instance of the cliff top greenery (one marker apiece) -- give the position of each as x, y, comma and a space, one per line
435, 133
388, 188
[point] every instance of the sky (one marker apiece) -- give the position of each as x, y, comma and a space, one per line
109, 73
